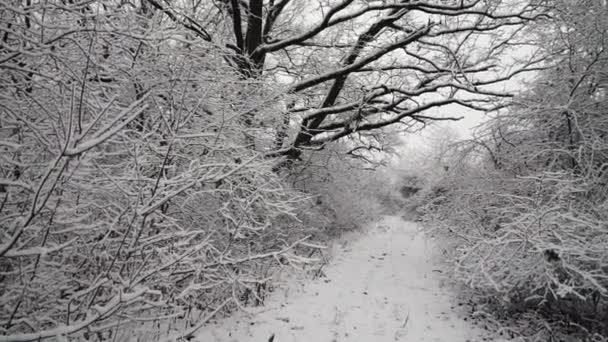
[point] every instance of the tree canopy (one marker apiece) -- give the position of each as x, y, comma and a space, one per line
357, 66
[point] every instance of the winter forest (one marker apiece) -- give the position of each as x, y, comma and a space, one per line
166, 164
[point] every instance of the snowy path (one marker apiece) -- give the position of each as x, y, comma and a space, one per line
381, 287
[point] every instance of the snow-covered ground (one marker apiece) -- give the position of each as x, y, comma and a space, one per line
383, 286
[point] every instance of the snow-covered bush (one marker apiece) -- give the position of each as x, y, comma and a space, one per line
525, 210
535, 242
129, 194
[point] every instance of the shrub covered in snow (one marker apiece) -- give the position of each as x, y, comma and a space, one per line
135, 202
526, 208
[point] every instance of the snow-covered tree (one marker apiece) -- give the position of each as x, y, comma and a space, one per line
357, 66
